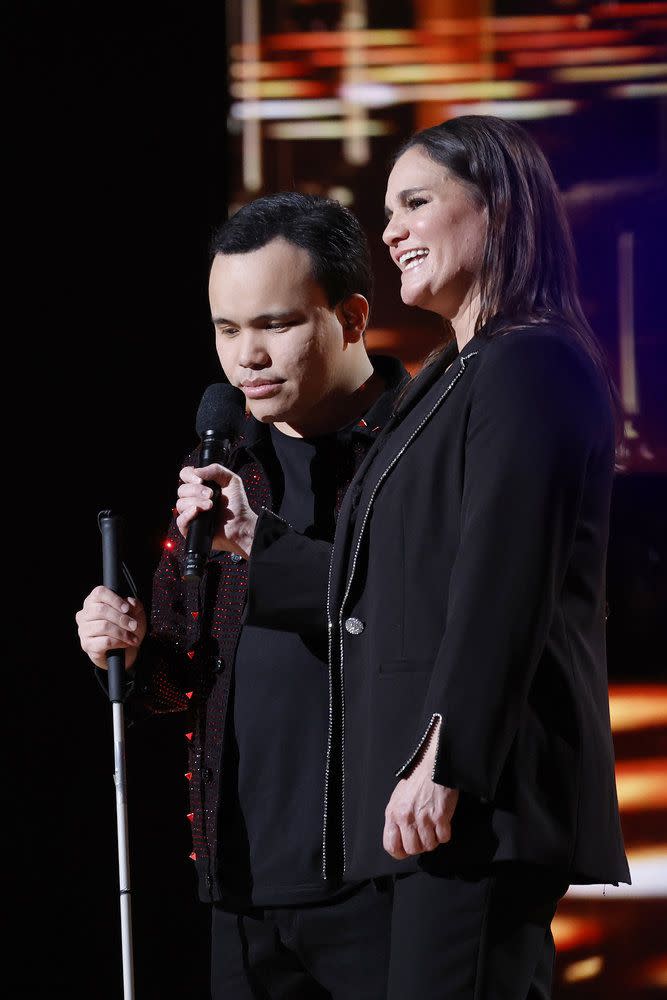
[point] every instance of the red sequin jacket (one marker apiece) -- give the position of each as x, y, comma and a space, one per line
187, 658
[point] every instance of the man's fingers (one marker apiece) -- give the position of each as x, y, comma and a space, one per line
188, 475
192, 505
187, 511
195, 491
95, 645
102, 595
95, 615
215, 473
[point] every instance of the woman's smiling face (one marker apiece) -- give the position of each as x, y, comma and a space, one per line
436, 232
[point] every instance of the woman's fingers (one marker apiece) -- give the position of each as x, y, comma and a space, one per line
392, 841
427, 835
443, 831
418, 815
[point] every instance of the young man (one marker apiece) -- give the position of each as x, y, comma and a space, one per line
290, 285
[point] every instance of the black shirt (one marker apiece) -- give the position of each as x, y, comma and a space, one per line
275, 756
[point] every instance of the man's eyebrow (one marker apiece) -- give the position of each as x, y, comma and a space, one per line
256, 320
402, 198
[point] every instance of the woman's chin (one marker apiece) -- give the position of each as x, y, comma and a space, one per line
414, 295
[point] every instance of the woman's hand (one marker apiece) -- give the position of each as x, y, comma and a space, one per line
419, 814
236, 521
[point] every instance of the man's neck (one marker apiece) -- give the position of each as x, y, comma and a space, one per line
340, 409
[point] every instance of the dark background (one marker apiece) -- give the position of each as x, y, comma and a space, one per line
115, 175
116, 155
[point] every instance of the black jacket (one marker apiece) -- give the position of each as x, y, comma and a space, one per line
187, 659
467, 582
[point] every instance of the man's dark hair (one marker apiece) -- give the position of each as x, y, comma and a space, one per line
328, 231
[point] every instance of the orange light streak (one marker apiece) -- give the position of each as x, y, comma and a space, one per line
475, 25
642, 784
405, 54
602, 74
446, 26
309, 40
257, 90
341, 129
474, 90
575, 932
613, 54
560, 39
425, 74
517, 110
585, 968
255, 70
539, 22
637, 707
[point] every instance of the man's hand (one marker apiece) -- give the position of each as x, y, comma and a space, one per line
107, 621
235, 529
419, 814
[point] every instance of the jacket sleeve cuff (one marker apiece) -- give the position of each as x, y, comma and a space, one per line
287, 577
416, 754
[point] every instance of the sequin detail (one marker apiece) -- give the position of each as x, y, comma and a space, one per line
194, 633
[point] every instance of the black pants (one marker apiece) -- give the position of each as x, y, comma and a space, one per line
337, 950
474, 937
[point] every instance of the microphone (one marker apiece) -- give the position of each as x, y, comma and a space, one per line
219, 420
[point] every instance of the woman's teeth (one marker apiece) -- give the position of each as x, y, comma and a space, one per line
412, 259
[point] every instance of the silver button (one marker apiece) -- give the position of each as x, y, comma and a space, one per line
236, 557
354, 626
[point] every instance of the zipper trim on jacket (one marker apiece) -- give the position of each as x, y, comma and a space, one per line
384, 475
273, 514
420, 745
330, 732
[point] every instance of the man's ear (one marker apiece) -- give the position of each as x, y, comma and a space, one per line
352, 313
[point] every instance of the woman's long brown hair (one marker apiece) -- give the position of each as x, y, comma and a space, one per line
528, 273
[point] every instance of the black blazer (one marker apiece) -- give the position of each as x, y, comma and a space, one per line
467, 582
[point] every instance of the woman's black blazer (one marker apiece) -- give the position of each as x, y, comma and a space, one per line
467, 583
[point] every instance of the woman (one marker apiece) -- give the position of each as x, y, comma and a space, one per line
470, 751
467, 587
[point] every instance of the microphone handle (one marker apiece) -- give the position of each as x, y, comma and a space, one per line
214, 448
110, 525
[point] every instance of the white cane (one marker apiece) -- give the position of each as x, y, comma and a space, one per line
110, 528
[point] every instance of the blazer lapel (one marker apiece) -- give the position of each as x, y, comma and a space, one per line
417, 407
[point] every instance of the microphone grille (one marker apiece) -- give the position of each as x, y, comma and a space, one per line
222, 409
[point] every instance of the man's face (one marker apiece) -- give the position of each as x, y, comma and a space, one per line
276, 336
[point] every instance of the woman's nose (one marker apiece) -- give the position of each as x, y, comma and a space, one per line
394, 231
